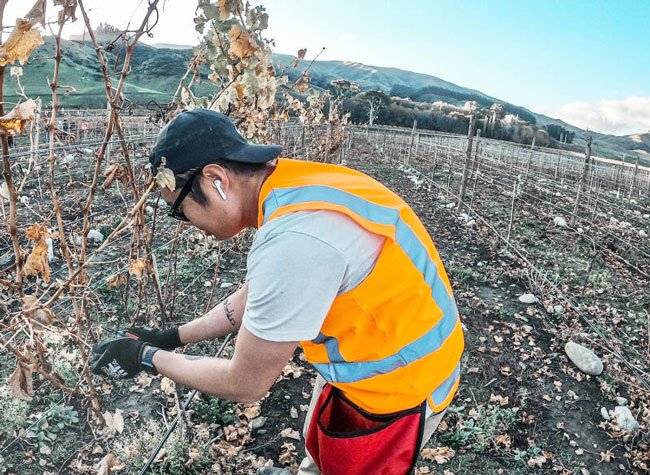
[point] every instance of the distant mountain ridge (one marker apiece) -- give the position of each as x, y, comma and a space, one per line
156, 70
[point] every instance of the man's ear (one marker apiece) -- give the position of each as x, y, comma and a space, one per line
215, 172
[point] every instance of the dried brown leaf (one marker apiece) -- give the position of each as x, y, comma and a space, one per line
14, 122
290, 433
20, 44
287, 454
165, 179
37, 263
20, 382
68, 10
108, 465
242, 44
37, 13
114, 172
116, 280
167, 386
226, 8
303, 83
41, 315
114, 421
503, 439
138, 268
439, 455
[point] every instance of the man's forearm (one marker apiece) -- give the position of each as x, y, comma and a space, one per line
223, 319
209, 375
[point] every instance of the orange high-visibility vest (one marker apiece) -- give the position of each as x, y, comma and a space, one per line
395, 339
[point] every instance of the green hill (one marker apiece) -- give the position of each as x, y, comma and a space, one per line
156, 72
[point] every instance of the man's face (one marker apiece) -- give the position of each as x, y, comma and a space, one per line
217, 217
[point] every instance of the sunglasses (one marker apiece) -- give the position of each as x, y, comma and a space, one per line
174, 211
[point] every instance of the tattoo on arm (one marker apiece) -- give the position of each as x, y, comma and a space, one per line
193, 357
227, 307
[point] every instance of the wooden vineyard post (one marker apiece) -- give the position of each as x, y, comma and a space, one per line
512, 209
619, 172
585, 170
595, 211
557, 163
476, 167
530, 159
468, 159
435, 159
476, 151
633, 184
408, 156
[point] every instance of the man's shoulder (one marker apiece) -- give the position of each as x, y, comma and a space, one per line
317, 223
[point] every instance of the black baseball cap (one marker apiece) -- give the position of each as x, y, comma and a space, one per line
197, 137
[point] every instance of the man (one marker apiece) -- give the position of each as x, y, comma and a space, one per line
341, 266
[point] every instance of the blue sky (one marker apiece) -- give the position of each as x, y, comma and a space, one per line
587, 62
544, 55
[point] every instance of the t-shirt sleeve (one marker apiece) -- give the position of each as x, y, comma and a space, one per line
293, 279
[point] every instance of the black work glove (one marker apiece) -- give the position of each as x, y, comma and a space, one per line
122, 357
163, 339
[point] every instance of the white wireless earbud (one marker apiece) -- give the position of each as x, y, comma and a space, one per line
217, 185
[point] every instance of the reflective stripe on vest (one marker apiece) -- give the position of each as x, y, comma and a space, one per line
339, 370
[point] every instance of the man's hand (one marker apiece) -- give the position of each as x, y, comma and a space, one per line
122, 357
164, 339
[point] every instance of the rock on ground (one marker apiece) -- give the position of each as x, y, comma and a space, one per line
624, 418
528, 298
560, 221
585, 359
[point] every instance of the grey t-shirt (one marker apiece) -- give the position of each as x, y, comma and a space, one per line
297, 265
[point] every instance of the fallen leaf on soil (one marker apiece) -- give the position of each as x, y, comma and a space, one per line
287, 454
20, 382
502, 400
20, 44
108, 465
37, 263
143, 380
194, 455
251, 412
290, 433
116, 280
293, 370
504, 440
114, 422
225, 449
41, 315
167, 386
538, 460
439, 455
606, 456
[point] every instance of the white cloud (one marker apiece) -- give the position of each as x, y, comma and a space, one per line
610, 116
